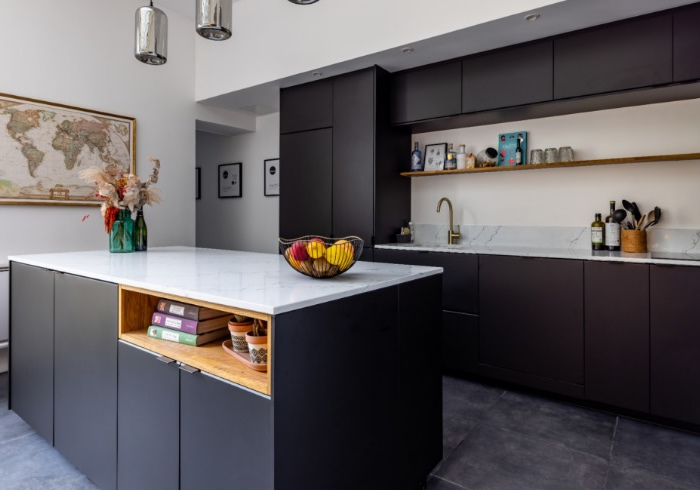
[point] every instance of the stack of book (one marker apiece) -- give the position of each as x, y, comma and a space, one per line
187, 324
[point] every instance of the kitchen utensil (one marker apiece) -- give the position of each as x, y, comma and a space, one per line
640, 223
653, 217
633, 210
619, 215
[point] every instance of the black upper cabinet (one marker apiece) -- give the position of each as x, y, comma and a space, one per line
507, 77
426, 93
344, 180
617, 334
307, 183
609, 58
353, 156
675, 337
305, 107
686, 44
531, 317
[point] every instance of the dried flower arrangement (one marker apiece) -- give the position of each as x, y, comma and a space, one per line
121, 190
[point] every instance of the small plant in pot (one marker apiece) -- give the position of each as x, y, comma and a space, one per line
238, 326
257, 343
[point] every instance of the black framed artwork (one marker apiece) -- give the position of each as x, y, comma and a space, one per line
272, 177
230, 180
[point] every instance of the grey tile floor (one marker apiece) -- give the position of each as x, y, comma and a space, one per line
501, 440
493, 440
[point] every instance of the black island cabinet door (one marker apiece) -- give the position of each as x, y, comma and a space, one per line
149, 420
225, 435
675, 343
85, 376
31, 343
617, 334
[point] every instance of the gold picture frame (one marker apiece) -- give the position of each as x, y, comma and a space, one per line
44, 145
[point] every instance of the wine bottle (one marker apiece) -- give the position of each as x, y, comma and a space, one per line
597, 233
518, 154
450, 159
612, 230
416, 159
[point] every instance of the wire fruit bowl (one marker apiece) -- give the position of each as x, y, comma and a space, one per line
321, 257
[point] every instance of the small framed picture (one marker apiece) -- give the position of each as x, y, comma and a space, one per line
198, 183
434, 157
230, 180
272, 177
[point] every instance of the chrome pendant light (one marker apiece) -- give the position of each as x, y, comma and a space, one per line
151, 35
214, 19
303, 2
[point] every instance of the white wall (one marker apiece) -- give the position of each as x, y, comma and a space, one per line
271, 42
80, 53
570, 196
250, 222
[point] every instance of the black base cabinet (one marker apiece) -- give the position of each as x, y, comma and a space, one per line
31, 335
460, 302
531, 322
675, 343
617, 334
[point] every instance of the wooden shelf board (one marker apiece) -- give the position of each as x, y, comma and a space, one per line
579, 163
210, 358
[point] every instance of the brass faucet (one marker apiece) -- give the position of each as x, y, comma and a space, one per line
452, 236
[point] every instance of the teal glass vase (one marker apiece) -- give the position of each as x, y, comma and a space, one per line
121, 238
141, 233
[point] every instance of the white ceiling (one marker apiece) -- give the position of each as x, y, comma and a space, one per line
555, 19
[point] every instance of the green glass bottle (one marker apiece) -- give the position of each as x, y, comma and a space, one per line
141, 233
597, 233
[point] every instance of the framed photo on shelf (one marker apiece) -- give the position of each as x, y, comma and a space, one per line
272, 177
198, 183
434, 157
230, 180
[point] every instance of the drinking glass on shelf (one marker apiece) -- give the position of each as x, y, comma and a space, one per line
536, 156
551, 155
566, 154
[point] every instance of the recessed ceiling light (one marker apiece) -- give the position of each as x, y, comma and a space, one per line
530, 17
317, 73
407, 49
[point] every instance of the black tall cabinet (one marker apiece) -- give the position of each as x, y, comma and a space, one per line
342, 159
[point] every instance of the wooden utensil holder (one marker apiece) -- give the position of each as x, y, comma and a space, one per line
634, 241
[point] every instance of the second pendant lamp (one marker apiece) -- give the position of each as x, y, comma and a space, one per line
214, 19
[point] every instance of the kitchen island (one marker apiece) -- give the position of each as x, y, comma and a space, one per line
351, 397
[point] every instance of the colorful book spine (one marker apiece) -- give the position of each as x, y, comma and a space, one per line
185, 338
184, 310
186, 325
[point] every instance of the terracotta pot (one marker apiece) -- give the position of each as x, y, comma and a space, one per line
238, 331
257, 346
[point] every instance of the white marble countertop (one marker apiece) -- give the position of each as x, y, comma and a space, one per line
669, 258
259, 282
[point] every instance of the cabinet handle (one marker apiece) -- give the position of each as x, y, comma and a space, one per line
166, 360
188, 369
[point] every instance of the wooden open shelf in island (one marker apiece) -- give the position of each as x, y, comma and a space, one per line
136, 306
580, 163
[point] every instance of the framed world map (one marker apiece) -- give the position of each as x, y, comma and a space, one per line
43, 147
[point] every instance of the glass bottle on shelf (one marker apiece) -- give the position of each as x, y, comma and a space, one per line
450, 159
461, 158
416, 158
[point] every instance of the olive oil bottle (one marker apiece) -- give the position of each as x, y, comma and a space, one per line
597, 233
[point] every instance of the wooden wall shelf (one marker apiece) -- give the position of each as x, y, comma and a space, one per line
135, 309
580, 163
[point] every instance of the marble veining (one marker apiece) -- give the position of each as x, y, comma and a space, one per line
554, 242
253, 281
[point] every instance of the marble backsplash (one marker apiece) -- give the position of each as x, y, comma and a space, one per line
564, 237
